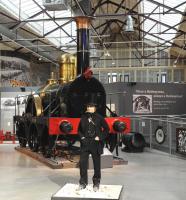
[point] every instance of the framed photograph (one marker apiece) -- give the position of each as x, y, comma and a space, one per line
142, 104
160, 135
181, 140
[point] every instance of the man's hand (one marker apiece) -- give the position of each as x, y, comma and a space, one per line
97, 138
84, 141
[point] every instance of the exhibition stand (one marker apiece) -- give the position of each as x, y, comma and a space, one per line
70, 192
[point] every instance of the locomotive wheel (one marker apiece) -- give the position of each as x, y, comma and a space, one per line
134, 142
33, 140
21, 134
23, 142
70, 143
112, 142
44, 141
51, 147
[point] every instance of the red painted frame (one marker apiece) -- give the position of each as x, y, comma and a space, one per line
54, 124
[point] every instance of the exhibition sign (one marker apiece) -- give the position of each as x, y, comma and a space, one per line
147, 99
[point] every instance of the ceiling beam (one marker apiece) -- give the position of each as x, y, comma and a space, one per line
103, 24
100, 3
149, 31
155, 52
163, 24
6, 15
83, 12
165, 6
123, 7
117, 9
175, 7
49, 32
167, 41
174, 26
144, 19
22, 23
52, 18
18, 49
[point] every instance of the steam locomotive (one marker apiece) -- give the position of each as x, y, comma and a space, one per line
54, 111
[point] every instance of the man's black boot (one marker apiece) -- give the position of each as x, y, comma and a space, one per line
96, 187
81, 186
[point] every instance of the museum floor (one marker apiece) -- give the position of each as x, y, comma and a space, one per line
148, 176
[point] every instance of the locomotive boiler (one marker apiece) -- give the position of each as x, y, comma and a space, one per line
54, 111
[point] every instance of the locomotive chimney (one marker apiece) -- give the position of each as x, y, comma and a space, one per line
83, 53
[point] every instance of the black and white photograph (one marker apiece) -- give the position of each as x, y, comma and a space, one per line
14, 72
181, 140
142, 104
7, 103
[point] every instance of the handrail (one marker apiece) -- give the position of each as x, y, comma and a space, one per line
160, 120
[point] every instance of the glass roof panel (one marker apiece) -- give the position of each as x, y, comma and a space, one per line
166, 23
25, 9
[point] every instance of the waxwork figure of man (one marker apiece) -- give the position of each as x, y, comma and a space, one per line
92, 131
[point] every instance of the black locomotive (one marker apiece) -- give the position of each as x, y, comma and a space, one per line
53, 112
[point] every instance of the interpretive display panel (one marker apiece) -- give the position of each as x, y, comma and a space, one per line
147, 99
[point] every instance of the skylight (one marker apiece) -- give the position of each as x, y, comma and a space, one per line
162, 28
25, 10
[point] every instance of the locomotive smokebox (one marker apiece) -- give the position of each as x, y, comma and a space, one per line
119, 126
83, 53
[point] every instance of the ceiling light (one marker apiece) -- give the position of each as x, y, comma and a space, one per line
107, 54
129, 27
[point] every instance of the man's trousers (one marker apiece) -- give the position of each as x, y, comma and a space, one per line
84, 157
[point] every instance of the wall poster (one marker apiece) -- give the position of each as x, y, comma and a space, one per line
8, 108
15, 72
181, 140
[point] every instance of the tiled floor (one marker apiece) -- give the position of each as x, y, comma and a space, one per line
148, 176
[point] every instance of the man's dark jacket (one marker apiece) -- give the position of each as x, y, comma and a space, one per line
101, 130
